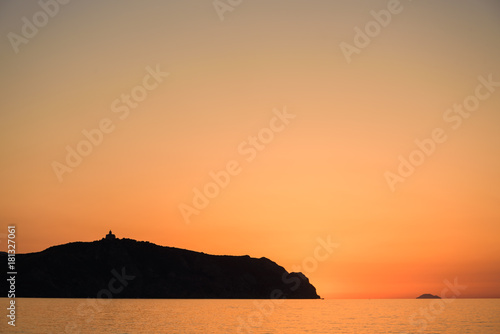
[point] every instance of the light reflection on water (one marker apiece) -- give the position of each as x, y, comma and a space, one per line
254, 316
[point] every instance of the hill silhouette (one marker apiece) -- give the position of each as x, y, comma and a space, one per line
428, 296
126, 268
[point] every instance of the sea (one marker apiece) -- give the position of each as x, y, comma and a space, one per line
206, 316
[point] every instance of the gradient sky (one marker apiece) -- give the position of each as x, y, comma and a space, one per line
322, 176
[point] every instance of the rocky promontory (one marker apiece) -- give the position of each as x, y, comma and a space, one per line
126, 268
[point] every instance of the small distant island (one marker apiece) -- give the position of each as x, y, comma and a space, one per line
126, 268
428, 296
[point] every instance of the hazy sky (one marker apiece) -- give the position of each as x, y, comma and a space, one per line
316, 108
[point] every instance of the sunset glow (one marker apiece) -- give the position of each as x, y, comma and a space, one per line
258, 135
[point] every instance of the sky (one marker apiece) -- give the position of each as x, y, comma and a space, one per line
355, 141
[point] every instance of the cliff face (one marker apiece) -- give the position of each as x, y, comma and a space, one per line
126, 268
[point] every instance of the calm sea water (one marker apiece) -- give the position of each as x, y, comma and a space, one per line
254, 316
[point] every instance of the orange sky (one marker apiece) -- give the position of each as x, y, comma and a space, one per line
321, 173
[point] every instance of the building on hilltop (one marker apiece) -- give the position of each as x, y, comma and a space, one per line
110, 236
